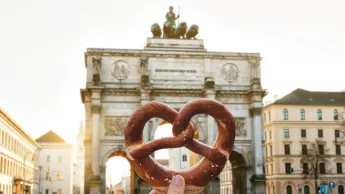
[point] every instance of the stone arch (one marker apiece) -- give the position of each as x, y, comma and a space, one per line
113, 153
239, 172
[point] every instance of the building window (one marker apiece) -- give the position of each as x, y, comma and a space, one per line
285, 114
337, 149
321, 149
48, 175
304, 149
337, 133
48, 158
320, 133
268, 189
302, 114
184, 158
286, 133
265, 118
288, 189
303, 133
60, 159
266, 136
341, 189
59, 176
47, 191
270, 134
319, 114
287, 149
266, 151
305, 168
59, 191
271, 151
269, 115
335, 114
339, 168
322, 168
272, 169
306, 189
287, 168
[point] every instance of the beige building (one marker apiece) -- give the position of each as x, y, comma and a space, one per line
291, 124
56, 163
18, 153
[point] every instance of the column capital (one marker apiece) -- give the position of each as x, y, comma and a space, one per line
96, 108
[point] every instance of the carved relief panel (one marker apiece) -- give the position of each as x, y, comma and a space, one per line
240, 123
115, 125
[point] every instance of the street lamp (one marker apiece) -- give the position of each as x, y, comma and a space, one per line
27, 188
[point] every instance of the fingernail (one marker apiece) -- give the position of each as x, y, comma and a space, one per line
177, 180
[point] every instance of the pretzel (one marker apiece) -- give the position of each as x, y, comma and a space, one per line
197, 176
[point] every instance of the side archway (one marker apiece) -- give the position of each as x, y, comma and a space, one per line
238, 171
117, 153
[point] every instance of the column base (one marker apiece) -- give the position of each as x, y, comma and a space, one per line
258, 184
95, 185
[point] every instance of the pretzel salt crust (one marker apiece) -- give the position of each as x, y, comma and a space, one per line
197, 176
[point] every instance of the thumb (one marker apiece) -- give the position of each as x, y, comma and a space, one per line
177, 185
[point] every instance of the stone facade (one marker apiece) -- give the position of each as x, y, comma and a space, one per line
173, 72
18, 155
295, 121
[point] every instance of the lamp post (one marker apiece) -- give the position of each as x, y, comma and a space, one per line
26, 189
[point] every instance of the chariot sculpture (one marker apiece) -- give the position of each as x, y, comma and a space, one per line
171, 31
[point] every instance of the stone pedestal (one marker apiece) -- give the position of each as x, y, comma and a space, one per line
95, 185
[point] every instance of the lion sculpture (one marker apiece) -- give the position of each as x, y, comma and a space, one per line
156, 30
192, 32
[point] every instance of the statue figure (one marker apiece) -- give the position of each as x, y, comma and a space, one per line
170, 16
144, 66
192, 32
96, 64
156, 30
170, 30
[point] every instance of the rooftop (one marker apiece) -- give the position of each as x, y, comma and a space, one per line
50, 137
305, 97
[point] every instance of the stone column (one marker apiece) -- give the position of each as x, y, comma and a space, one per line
95, 183
95, 139
145, 98
211, 125
258, 177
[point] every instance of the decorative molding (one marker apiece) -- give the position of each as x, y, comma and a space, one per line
96, 109
194, 55
115, 126
288, 160
229, 72
121, 70
240, 123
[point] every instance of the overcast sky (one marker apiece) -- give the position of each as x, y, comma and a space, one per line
42, 43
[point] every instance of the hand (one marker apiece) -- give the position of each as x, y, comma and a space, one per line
176, 186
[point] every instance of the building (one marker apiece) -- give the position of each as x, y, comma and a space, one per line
292, 125
56, 162
174, 72
78, 167
226, 179
18, 154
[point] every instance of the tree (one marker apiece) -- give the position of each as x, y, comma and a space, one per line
314, 162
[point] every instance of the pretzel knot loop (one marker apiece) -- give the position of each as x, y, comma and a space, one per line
214, 159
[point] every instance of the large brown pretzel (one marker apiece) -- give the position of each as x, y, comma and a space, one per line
197, 176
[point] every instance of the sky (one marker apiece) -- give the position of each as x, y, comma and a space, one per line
42, 43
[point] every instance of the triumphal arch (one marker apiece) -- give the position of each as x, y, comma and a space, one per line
173, 71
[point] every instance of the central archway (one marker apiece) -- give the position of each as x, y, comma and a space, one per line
119, 176
238, 173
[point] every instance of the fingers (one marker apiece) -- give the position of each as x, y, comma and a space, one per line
153, 192
177, 185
